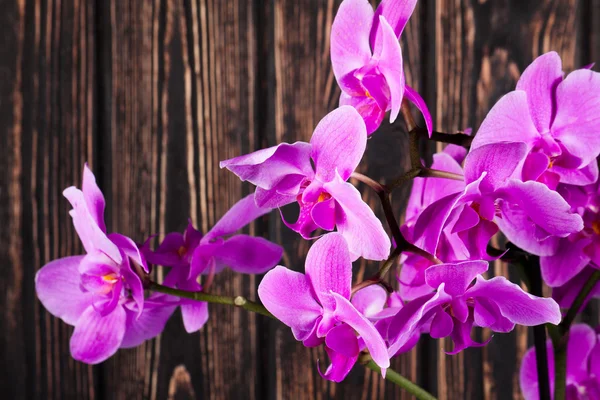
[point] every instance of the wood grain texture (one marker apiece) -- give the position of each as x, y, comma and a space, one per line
482, 48
47, 95
153, 94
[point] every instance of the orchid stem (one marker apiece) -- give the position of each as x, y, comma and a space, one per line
567, 321
399, 380
237, 301
459, 138
248, 305
539, 333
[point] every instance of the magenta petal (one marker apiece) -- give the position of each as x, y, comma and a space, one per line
415, 98
535, 165
371, 113
357, 223
323, 214
390, 65
130, 249
288, 295
528, 378
93, 197
96, 338
441, 326
370, 300
340, 366
239, 215
582, 340
581, 176
329, 268
350, 31
508, 121
568, 261
92, 236
248, 255
345, 312
267, 168
499, 160
149, 324
195, 315
58, 287
544, 207
338, 142
396, 13
578, 114
342, 339
539, 80
457, 277
515, 304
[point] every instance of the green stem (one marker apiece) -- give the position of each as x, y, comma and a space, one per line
579, 300
248, 305
237, 301
399, 380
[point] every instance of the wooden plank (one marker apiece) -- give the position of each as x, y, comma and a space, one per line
481, 49
305, 90
47, 117
182, 87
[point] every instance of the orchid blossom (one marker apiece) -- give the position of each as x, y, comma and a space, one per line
284, 174
191, 254
100, 293
367, 59
318, 309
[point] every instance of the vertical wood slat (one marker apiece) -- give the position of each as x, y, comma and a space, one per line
182, 79
481, 49
173, 87
47, 119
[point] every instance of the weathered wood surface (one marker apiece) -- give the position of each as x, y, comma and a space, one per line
153, 94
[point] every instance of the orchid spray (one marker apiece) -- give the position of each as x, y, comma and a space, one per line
530, 172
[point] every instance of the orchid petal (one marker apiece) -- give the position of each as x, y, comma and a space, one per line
288, 296
370, 300
357, 223
396, 13
58, 287
578, 114
340, 366
195, 315
268, 168
350, 31
239, 215
96, 338
345, 312
515, 304
371, 113
499, 160
149, 324
568, 261
338, 142
539, 80
456, 277
415, 98
248, 255
93, 197
329, 268
508, 121
92, 236
391, 67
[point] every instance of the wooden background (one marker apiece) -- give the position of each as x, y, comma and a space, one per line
153, 93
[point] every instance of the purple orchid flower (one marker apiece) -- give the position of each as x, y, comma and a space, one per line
579, 249
530, 214
318, 309
557, 119
284, 174
367, 59
100, 293
583, 366
463, 298
191, 254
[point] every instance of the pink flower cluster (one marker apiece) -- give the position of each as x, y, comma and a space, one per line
531, 173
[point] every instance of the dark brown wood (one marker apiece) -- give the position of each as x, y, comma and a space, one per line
153, 94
